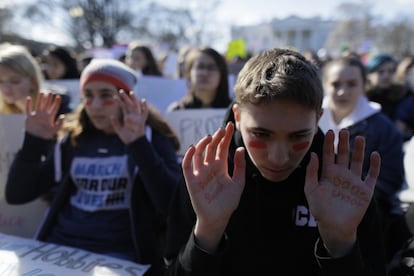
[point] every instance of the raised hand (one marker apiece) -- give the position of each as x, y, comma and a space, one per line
214, 194
134, 117
41, 121
339, 200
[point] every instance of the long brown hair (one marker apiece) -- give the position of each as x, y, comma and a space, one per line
222, 97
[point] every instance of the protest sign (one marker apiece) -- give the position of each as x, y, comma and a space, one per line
70, 87
193, 124
160, 92
22, 220
29, 257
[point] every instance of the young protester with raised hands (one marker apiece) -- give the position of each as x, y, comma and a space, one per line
114, 168
266, 194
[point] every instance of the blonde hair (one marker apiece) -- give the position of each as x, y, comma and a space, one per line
18, 59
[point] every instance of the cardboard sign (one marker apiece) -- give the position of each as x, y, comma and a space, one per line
191, 125
70, 87
160, 92
21, 220
28, 257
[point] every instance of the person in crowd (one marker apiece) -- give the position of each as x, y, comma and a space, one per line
346, 107
382, 88
181, 58
351, 53
20, 77
60, 63
83, 60
207, 78
266, 193
403, 70
409, 177
112, 164
312, 56
141, 59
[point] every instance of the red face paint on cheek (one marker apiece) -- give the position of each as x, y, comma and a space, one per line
108, 102
257, 144
88, 101
300, 146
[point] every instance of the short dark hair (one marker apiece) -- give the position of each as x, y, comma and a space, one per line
279, 74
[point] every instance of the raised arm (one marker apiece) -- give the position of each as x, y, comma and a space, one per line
41, 121
31, 173
134, 116
213, 193
339, 200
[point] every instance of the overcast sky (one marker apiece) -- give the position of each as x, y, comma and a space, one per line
245, 12
240, 12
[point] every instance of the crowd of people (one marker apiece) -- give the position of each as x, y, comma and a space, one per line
308, 165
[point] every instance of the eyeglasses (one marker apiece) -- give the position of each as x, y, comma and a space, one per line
207, 67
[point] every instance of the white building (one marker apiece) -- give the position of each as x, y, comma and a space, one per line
292, 32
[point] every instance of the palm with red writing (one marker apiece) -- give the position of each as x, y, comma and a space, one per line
214, 194
339, 200
41, 119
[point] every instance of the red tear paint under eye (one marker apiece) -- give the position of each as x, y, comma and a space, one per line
257, 144
88, 101
108, 102
300, 146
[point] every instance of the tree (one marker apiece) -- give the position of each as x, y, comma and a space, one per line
5, 16
397, 37
353, 27
165, 25
91, 23
203, 31
87, 22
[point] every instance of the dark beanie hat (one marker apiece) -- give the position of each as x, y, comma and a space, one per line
376, 61
109, 70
